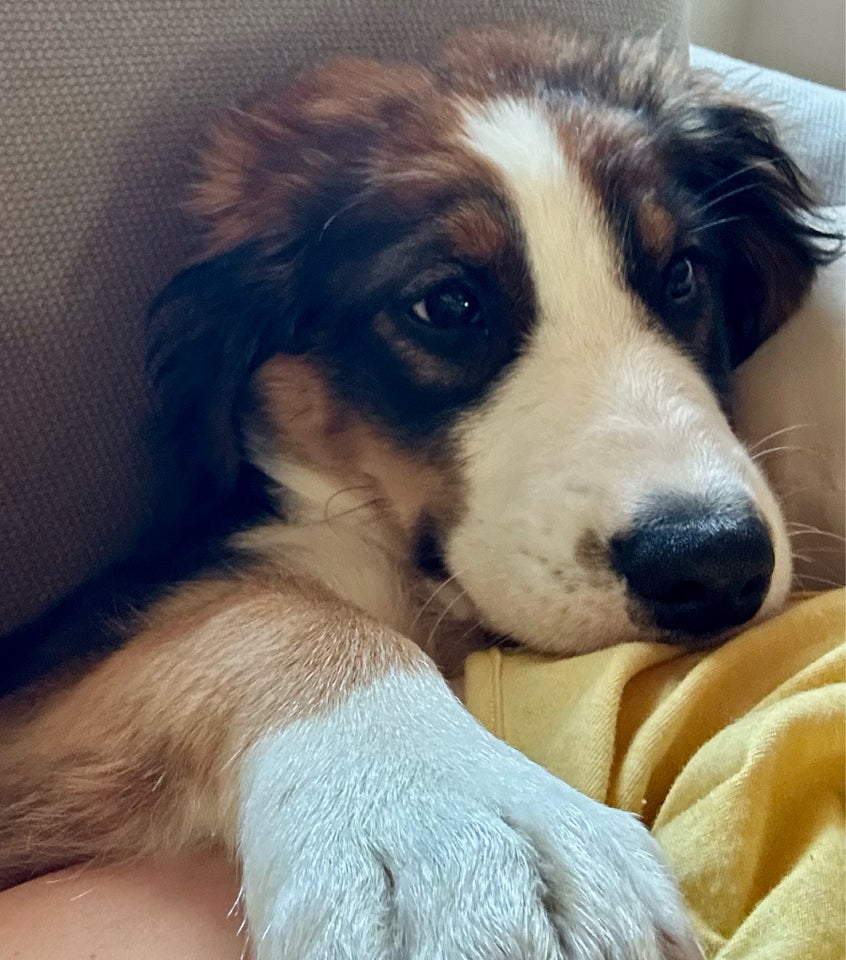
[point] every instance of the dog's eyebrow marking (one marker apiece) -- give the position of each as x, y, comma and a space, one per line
476, 233
657, 228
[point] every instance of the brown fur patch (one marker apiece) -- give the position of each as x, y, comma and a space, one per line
267, 166
477, 235
144, 753
616, 156
306, 419
657, 228
361, 131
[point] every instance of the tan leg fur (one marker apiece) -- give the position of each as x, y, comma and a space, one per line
143, 753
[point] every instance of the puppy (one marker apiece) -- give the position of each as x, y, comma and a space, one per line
472, 325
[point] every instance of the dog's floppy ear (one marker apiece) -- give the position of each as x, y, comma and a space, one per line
274, 177
762, 206
209, 329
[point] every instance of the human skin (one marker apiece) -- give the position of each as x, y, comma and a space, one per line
168, 909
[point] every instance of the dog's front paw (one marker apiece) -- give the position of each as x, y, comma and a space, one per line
398, 829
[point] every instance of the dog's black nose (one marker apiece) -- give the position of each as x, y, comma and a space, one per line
697, 570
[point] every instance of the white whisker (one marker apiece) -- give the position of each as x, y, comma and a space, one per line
778, 433
799, 529
451, 579
725, 196
822, 580
441, 618
757, 165
84, 893
786, 448
716, 223
478, 625
334, 217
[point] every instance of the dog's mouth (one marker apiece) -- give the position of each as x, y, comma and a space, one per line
695, 642
712, 629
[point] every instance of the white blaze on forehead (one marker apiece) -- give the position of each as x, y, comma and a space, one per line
518, 139
574, 264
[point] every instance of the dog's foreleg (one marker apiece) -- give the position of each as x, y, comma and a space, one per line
144, 752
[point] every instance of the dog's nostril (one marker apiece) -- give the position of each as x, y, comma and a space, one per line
698, 571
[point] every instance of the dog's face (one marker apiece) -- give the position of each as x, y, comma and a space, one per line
508, 293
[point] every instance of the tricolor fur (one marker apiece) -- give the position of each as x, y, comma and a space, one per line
473, 326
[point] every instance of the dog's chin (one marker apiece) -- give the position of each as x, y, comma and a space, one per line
689, 643
585, 627
694, 643
588, 623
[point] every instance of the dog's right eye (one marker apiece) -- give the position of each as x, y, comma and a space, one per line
448, 306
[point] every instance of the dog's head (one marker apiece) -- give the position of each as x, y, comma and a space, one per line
508, 291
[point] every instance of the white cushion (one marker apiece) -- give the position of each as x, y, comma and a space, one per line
791, 398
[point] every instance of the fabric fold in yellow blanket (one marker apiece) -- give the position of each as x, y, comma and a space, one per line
735, 759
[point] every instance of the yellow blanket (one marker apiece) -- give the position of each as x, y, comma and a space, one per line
734, 758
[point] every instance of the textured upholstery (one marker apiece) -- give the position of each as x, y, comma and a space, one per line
100, 103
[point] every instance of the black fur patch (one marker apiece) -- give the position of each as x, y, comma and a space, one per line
363, 269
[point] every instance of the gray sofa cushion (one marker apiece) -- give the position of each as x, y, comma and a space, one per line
100, 103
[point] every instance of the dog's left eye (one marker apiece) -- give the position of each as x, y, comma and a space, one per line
449, 305
680, 280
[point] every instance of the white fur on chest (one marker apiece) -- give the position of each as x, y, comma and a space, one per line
341, 536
